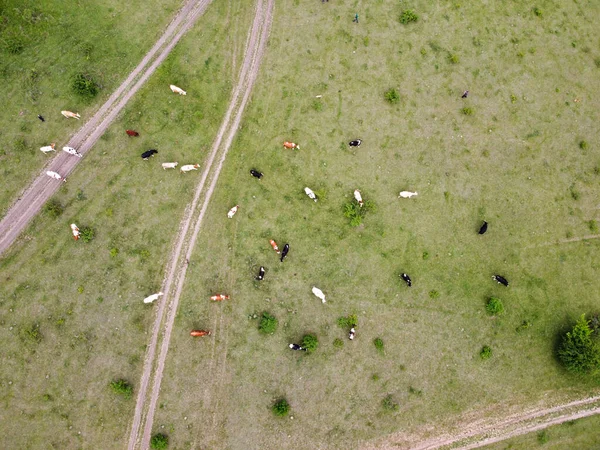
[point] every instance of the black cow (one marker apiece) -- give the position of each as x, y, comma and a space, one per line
297, 347
148, 154
256, 174
465, 94
261, 274
503, 281
406, 278
284, 252
41, 118
355, 143
483, 228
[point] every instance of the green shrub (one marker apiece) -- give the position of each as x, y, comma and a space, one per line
14, 45
375, 377
593, 226
114, 252
338, 343
31, 333
378, 342
86, 233
80, 289
579, 351
434, 294
122, 387
524, 325
537, 11
392, 96
310, 343
486, 352
159, 441
281, 407
350, 321
53, 208
389, 404
84, 86
453, 58
543, 437
425, 256
583, 145
494, 306
467, 111
407, 16
268, 323
356, 213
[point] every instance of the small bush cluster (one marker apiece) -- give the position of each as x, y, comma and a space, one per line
467, 111
281, 407
32, 333
583, 145
310, 343
494, 306
159, 441
268, 323
14, 45
524, 325
392, 96
407, 16
486, 352
389, 404
537, 11
86, 233
453, 58
53, 208
356, 213
350, 321
122, 387
378, 342
85, 86
579, 350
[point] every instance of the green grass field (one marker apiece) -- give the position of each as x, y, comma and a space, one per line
43, 45
516, 161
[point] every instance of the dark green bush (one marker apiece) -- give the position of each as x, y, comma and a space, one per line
434, 294
84, 85
389, 404
122, 387
579, 350
583, 145
378, 342
53, 208
268, 323
486, 352
392, 96
593, 225
310, 343
407, 16
467, 111
159, 441
281, 407
86, 233
537, 11
356, 213
494, 306
350, 321
14, 45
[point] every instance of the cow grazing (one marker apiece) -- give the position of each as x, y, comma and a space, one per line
171, 165
232, 211
319, 293
351, 334
147, 154
132, 133
69, 114
219, 297
48, 148
75, 231
408, 194
256, 174
153, 297
407, 279
261, 274
500, 279
177, 90
296, 347
274, 245
41, 118
199, 333
310, 193
465, 94
358, 197
72, 151
284, 252
291, 145
56, 176
483, 228
355, 143
189, 168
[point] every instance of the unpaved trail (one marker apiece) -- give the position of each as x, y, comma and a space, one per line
177, 266
480, 433
566, 241
31, 200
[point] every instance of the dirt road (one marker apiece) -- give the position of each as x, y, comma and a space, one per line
177, 266
43, 187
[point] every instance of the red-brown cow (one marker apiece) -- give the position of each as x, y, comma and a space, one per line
132, 133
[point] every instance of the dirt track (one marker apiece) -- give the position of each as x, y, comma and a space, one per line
177, 266
32, 199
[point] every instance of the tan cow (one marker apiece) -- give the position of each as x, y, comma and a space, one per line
177, 90
189, 167
69, 114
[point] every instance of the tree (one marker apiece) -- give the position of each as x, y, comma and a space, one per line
579, 351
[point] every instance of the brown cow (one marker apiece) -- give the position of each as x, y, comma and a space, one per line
132, 133
197, 333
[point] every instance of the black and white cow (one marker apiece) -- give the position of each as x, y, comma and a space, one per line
284, 252
406, 278
256, 174
500, 279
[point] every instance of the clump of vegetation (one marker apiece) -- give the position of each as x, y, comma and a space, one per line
407, 16
392, 96
486, 352
356, 213
494, 306
350, 321
389, 404
86, 234
14, 45
281, 407
434, 294
415, 391
53, 208
310, 343
122, 387
268, 323
375, 377
32, 333
593, 225
425, 256
338, 343
114, 252
378, 342
524, 325
543, 437
159, 441
583, 145
20, 145
537, 11
85, 86
579, 350
467, 111
453, 58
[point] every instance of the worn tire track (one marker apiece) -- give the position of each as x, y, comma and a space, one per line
177, 266
31, 200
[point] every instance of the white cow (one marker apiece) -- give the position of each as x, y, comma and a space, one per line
70, 114
152, 297
358, 197
56, 176
48, 148
232, 211
319, 293
177, 90
408, 194
189, 167
72, 151
166, 166
310, 193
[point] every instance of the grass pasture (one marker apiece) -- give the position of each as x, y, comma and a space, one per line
71, 313
43, 45
515, 161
